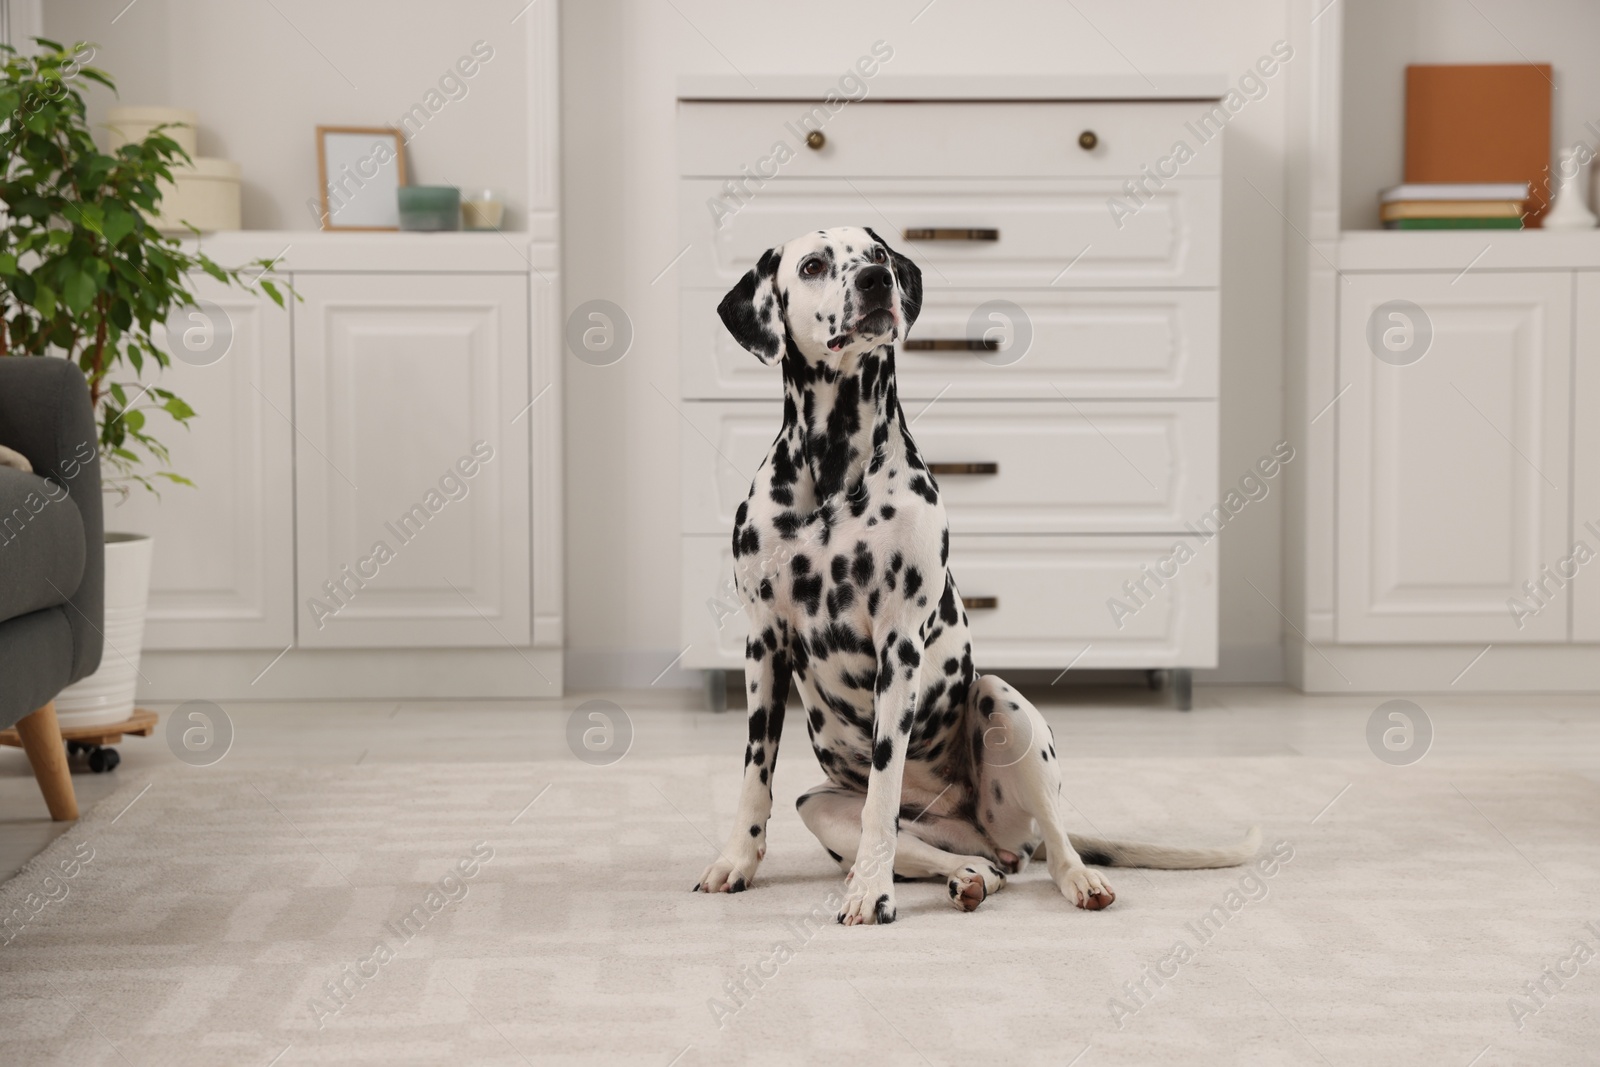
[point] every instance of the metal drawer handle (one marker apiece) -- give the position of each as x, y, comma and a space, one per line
980, 603
940, 233
815, 140
964, 468
953, 344
1087, 140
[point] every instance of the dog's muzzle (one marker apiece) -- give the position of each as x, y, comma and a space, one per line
874, 287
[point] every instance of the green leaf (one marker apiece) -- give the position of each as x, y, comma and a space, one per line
134, 420
119, 223
178, 409
79, 291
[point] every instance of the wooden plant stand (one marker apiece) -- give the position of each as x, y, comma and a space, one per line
96, 740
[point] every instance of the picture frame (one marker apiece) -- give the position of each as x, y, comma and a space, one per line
360, 170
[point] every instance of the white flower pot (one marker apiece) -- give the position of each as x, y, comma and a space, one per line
106, 696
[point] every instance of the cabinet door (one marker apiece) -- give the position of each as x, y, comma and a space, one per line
411, 460
1454, 469
223, 574
1585, 564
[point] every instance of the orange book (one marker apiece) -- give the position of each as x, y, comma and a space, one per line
1481, 123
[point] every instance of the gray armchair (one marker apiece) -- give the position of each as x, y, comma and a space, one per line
52, 558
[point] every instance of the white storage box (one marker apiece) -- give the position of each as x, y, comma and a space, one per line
130, 125
205, 195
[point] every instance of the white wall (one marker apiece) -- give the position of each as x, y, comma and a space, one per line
264, 76
621, 61
1383, 36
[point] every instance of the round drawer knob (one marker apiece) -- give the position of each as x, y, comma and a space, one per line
1087, 140
815, 140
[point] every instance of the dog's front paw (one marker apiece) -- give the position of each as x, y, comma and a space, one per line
727, 875
871, 899
1087, 889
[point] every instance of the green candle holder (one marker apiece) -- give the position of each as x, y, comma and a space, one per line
430, 208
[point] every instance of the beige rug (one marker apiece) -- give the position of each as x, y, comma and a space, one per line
443, 914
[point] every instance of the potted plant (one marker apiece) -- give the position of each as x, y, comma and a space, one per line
84, 275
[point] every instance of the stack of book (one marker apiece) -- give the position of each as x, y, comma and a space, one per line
1455, 206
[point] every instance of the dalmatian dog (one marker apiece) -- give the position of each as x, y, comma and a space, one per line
841, 556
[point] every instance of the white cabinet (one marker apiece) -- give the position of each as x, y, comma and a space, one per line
1069, 466
1454, 474
377, 509
411, 475
223, 575
1586, 463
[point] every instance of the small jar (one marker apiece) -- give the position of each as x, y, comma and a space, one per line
482, 210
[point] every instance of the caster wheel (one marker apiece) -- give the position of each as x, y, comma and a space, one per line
76, 748
1155, 680
102, 760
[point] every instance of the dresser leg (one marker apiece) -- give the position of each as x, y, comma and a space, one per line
1183, 688
717, 690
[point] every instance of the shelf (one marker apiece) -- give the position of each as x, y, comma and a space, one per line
1485, 250
459, 252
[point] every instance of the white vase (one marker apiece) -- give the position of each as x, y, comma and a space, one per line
106, 696
1569, 212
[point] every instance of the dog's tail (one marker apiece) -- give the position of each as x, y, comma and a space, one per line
1099, 852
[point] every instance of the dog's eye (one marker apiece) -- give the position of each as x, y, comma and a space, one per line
879, 255
812, 267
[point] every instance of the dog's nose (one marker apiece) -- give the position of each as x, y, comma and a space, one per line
875, 281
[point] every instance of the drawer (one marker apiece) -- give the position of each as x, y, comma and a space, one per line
1134, 344
1057, 233
1051, 598
942, 139
1059, 467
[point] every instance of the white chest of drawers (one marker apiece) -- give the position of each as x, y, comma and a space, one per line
1092, 444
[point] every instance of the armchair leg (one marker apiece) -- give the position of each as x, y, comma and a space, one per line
41, 739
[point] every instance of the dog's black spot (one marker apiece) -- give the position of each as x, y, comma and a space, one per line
882, 911
882, 753
913, 582
1097, 859
755, 831
836, 857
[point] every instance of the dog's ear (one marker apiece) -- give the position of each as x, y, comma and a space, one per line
909, 277
752, 311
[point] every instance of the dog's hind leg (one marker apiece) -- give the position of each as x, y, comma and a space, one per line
1019, 788
834, 816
